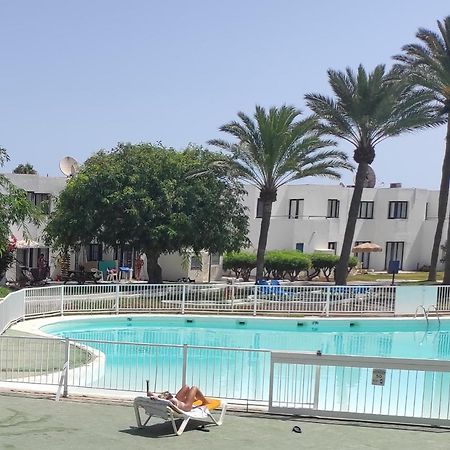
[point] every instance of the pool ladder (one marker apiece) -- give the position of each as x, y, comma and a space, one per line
426, 313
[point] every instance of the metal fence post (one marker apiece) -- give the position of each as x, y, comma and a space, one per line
117, 299
183, 300
64, 378
66, 374
62, 299
327, 304
184, 374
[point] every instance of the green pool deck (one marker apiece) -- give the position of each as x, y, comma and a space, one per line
39, 422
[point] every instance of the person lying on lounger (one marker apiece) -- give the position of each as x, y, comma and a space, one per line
184, 398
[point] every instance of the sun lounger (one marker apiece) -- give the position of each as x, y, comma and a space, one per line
166, 410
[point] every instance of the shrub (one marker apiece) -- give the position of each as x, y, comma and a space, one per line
241, 263
352, 263
323, 262
326, 263
282, 264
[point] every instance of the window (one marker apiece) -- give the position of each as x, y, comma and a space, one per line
41, 200
295, 208
398, 210
426, 210
259, 209
394, 252
333, 246
196, 263
215, 259
365, 210
363, 257
333, 208
95, 252
299, 246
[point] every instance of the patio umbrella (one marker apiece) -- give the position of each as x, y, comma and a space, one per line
367, 247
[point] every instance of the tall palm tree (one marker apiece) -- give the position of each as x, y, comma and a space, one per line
428, 65
367, 108
276, 147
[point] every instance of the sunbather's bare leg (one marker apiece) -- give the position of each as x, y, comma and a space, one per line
182, 393
195, 394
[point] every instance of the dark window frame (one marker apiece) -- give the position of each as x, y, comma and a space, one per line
365, 210
398, 209
294, 213
392, 253
333, 208
94, 252
332, 245
196, 263
300, 247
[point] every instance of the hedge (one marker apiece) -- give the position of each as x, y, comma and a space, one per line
241, 263
280, 264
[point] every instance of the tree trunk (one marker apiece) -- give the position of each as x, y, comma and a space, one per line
447, 251
153, 268
442, 208
263, 234
342, 265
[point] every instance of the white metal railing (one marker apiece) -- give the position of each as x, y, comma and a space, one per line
222, 372
188, 298
354, 387
12, 308
365, 388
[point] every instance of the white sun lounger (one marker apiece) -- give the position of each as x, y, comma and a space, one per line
166, 410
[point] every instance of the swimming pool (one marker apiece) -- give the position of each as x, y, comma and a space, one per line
367, 337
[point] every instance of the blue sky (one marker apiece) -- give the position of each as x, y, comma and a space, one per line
80, 76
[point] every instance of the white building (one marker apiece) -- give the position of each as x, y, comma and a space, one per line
304, 217
313, 217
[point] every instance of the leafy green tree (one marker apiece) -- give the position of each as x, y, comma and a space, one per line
15, 209
427, 64
148, 197
26, 168
366, 109
273, 149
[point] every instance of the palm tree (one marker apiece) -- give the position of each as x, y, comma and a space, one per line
428, 65
367, 108
26, 168
273, 149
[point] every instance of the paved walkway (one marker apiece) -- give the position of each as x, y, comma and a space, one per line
41, 423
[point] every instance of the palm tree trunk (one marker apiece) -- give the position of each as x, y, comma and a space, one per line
263, 234
442, 208
154, 271
447, 251
342, 265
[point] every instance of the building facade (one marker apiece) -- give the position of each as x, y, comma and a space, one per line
305, 217
313, 218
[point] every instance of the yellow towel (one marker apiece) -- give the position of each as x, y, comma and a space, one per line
213, 403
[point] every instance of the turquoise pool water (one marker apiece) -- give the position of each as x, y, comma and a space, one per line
386, 338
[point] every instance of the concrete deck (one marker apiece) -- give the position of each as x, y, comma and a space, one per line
41, 423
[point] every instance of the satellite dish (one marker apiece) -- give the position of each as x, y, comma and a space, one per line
69, 166
371, 179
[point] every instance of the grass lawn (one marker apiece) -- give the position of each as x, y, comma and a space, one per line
413, 277
4, 291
